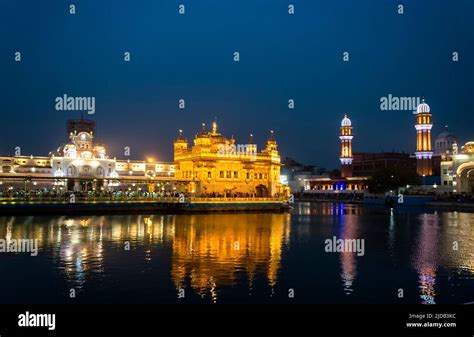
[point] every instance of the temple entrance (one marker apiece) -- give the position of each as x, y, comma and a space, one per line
261, 191
465, 174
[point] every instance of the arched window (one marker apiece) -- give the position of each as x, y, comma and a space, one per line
71, 171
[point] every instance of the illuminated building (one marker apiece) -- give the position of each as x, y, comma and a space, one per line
81, 165
346, 147
294, 174
216, 166
455, 163
458, 169
424, 153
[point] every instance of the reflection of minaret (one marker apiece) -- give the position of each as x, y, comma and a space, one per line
424, 153
346, 147
348, 259
426, 261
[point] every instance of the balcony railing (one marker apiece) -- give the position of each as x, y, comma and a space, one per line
66, 198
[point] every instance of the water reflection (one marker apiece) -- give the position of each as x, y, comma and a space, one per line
427, 256
207, 251
348, 230
217, 256
210, 250
444, 242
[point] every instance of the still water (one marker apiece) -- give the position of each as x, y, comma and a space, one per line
229, 258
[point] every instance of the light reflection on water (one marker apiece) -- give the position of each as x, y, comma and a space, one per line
244, 257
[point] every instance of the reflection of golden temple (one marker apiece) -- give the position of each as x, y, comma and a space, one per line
212, 248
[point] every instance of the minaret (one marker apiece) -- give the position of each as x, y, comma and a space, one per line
424, 153
346, 147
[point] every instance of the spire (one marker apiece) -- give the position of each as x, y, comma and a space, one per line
203, 132
271, 135
180, 135
251, 139
214, 126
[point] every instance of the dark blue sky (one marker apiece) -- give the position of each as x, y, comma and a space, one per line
191, 57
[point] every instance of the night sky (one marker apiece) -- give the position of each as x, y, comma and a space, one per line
190, 56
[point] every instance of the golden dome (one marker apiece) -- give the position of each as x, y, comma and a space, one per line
468, 148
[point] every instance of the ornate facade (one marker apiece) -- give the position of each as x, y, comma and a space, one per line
217, 166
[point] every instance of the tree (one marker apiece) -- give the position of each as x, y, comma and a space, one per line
391, 179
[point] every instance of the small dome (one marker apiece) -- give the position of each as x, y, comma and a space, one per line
444, 142
423, 107
446, 136
346, 121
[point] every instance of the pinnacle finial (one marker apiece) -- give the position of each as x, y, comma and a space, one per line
214, 125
